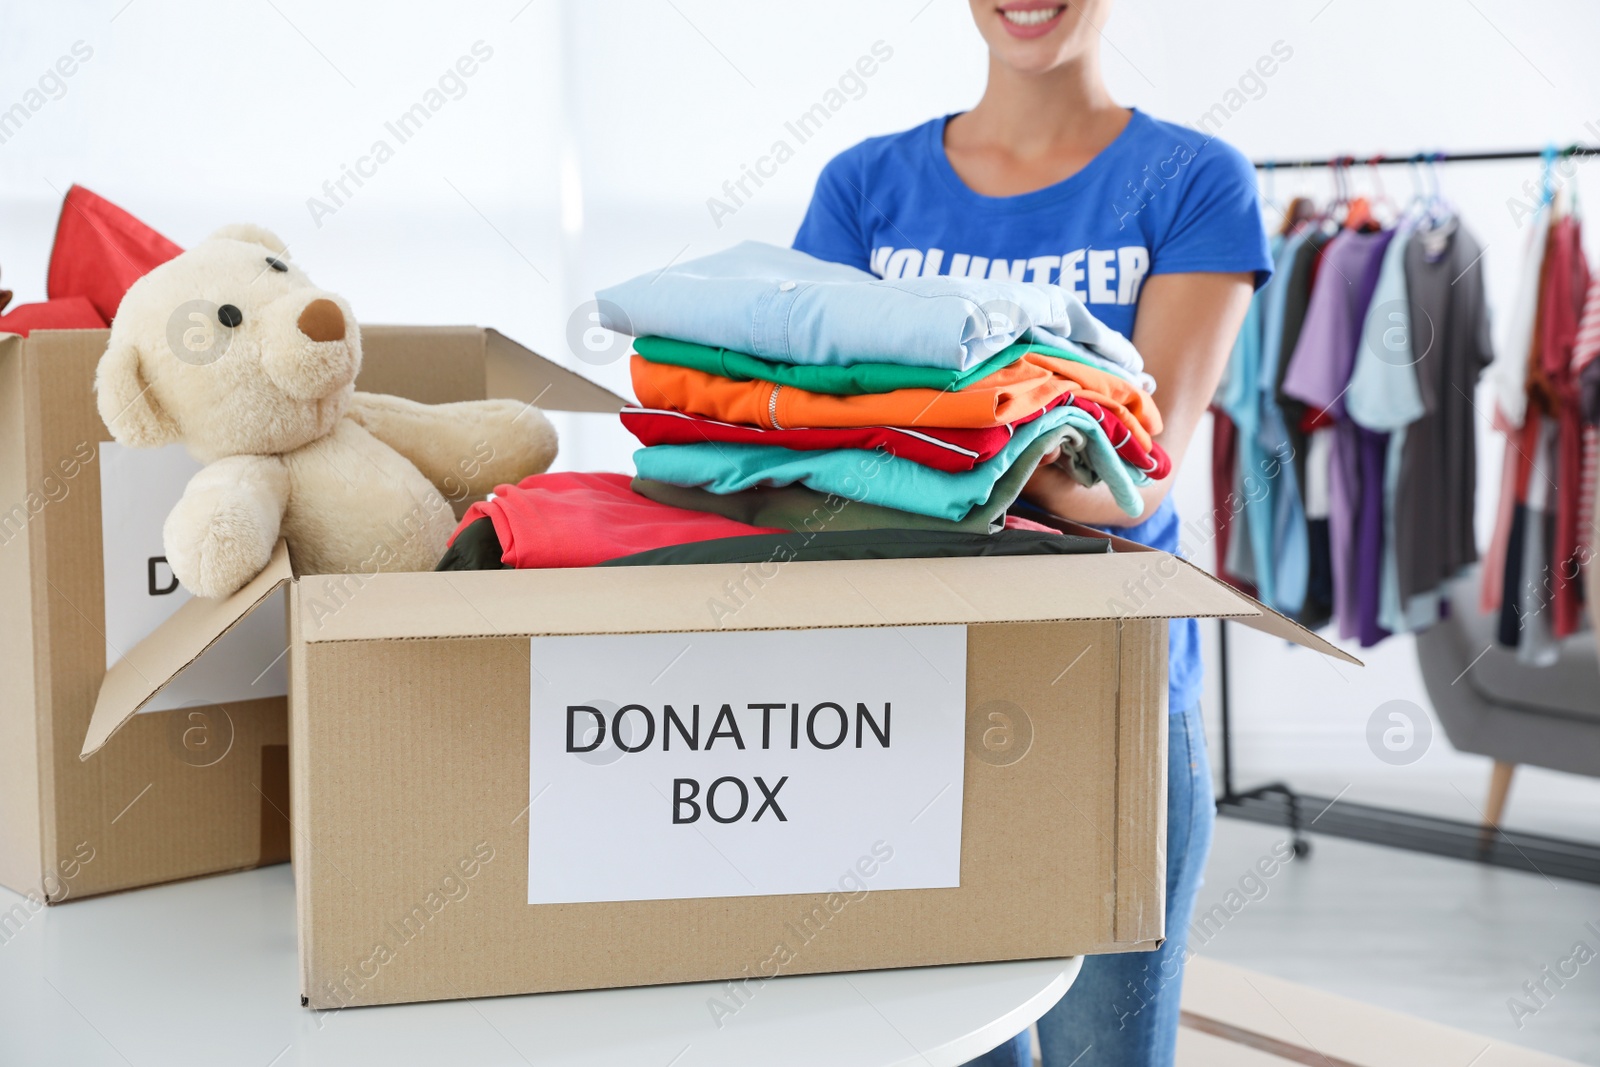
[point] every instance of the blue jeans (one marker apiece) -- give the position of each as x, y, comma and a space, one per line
1123, 1009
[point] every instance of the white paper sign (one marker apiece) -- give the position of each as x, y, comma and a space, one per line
821, 761
138, 487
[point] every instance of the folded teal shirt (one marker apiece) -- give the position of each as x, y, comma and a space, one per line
854, 379
881, 478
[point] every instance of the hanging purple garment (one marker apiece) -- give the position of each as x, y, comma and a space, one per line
1318, 375
1344, 488
1374, 452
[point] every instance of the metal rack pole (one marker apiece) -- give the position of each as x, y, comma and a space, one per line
1575, 151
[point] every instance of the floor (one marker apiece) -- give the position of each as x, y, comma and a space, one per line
1441, 939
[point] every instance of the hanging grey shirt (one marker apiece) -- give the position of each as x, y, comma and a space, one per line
1439, 463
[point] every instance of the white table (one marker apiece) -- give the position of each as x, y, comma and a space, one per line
204, 973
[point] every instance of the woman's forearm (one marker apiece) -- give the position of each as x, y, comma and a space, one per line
1186, 328
1057, 492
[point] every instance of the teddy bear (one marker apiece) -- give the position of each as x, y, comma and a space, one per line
232, 351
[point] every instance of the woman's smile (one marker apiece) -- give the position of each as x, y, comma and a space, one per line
1031, 18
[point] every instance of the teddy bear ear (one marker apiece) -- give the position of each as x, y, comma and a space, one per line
249, 231
126, 404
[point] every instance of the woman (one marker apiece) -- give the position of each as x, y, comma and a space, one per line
1158, 230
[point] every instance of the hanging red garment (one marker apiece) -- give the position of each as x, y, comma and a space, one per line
1561, 305
100, 250
1225, 504
1584, 353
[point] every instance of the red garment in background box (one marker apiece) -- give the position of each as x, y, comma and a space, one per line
68, 313
577, 519
100, 250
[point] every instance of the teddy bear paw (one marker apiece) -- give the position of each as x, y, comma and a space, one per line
218, 557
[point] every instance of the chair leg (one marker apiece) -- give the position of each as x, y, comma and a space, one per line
1499, 788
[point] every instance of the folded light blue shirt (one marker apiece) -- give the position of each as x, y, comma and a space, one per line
781, 304
892, 482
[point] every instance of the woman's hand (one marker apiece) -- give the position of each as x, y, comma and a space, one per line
1185, 331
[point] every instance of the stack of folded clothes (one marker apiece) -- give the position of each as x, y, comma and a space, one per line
936, 398
781, 394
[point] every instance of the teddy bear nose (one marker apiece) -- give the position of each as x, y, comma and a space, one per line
322, 321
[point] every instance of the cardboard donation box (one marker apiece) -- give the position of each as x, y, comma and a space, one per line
200, 783
521, 781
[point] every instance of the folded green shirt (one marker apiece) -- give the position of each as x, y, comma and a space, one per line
852, 379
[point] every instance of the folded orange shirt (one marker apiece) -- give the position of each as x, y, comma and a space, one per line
1006, 396
1122, 398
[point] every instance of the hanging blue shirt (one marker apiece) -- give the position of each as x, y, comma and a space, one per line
1160, 199
1282, 548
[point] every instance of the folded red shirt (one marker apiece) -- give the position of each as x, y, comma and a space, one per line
575, 519
941, 449
1155, 462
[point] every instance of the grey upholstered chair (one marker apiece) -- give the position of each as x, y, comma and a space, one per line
1491, 705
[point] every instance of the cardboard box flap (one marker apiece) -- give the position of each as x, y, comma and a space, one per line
1254, 614
174, 645
1268, 621
522, 374
769, 596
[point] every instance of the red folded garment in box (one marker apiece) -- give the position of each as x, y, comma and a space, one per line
575, 519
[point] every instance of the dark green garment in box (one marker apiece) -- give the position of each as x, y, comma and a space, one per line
794, 507
864, 544
477, 548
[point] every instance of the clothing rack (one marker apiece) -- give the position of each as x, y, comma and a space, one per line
1575, 151
1278, 804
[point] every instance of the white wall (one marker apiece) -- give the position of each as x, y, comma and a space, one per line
584, 150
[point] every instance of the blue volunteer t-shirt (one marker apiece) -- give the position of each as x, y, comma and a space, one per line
1160, 199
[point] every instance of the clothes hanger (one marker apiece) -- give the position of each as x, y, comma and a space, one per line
1290, 217
1439, 211
1416, 208
1547, 162
1300, 211
1334, 212
1574, 203
1358, 209
1381, 198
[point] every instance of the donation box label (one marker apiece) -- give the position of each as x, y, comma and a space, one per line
138, 488
672, 766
